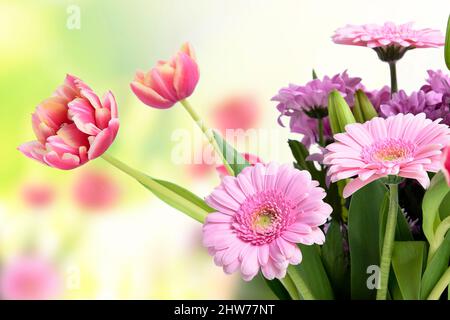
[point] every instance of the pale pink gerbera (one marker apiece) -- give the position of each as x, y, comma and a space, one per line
403, 145
389, 40
261, 215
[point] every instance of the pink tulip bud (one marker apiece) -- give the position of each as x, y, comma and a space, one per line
169, 81
446, 163
73, 126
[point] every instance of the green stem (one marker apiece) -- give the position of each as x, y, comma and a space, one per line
388, 243
321, 139
207, 132
290, 287
439, 236
440, 286
393, 71
301, 285
156, 187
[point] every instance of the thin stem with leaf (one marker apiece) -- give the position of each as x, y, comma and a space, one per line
388, 243
207, 132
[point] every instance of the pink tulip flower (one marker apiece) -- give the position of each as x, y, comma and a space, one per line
73, 126
169, 81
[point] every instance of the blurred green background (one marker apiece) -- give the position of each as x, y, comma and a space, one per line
116, 240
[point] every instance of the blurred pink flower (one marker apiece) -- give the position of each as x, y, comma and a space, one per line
252, 159
29, 278
37, 195
389, 34
73, 126
261, 216
402, 145
236, 112
446, 163
95, 190
169, 81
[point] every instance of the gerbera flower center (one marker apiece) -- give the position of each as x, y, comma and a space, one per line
390, 150
262, 217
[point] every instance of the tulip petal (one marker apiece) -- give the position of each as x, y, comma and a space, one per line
149, 96
67, 161
103, 140
186, 75
34, 150
83, 115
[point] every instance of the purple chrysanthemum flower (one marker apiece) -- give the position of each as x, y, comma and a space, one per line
306, 104
379, 97
433, 99
401, 102
437, 92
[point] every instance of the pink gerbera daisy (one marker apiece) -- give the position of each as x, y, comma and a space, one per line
261, 216
389, 40
403, 145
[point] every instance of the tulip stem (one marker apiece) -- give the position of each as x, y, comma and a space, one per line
393, 72
388, 243
207, 132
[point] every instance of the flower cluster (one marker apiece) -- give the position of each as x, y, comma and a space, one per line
433, 99
308, 103
261, 215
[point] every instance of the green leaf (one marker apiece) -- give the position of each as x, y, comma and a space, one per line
314, 74
300, 154
178, 197
432, 200
436, 267
407, 262
172, 194
333, 257
447, 45
312, 273
234, 158
363, 236
444, 208
278, 289
185, 194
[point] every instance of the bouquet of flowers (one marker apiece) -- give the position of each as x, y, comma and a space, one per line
362, 213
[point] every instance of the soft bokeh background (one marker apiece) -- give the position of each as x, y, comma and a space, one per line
107, 236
